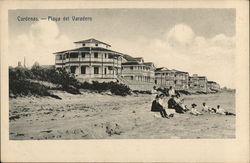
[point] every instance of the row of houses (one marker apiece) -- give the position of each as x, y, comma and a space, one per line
93, 60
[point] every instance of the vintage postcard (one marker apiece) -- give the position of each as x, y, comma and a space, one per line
116, 81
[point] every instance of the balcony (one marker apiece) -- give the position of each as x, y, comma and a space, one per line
88, 60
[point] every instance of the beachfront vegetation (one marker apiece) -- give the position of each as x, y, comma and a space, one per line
23, 81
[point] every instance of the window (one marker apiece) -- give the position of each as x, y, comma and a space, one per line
83, 70
96, 55
73, 69
105, 55
96, 70
131, 67
131, 78
83, 44
105, 71
73, 55
110, 55
83, 55
96, 44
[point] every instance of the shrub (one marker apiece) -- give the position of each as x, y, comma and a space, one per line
24, 88
183, 92
119, 89
114, 88
19, 76
142, 92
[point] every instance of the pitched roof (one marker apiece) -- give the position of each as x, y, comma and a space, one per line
149, 63
162, 69
138, 57
132, 63
212, 82
177, 71
88, 49
92, 40
129, 58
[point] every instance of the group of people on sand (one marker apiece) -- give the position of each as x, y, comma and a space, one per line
175, 104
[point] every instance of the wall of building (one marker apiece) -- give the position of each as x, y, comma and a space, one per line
91, 45
198, 84
138, 73
169, 78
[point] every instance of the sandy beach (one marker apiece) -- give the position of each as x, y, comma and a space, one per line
103, 116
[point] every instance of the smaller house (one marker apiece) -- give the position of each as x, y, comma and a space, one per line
166, 78
198, 83
213, 86
137, 74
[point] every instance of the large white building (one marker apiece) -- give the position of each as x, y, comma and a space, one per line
90, 60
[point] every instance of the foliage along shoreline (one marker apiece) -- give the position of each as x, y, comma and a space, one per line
39, 81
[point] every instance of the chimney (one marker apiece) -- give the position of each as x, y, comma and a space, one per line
19, 64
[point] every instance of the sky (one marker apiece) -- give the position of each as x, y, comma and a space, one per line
199, 41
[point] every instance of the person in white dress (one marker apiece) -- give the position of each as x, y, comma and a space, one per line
171, 91
194, 111
206, 108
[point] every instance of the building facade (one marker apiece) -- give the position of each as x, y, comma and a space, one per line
198, 83
139, 75
166, 78
213, 86
90, 60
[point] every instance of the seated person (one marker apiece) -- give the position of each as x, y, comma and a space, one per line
219, 110
194, 110
171, 91
172, 104
158, 107
206, 108
181, 102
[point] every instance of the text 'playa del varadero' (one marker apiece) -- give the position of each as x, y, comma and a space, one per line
56, 19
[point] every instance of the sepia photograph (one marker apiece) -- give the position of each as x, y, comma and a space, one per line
127, 81
121, 73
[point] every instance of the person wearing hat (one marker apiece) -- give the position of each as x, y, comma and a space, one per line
194, 110
157, 106
172, 104
206, 108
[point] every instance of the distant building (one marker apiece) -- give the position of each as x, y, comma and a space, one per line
91, 60
198, 83
213, 86
139, 75
166, 78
